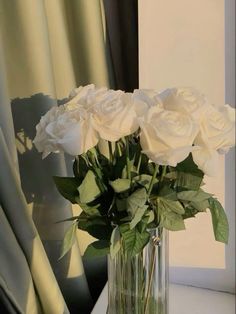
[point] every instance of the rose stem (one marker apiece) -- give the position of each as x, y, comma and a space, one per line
102, 186
119, 149
152, 180
127, 159
153, 262
110, 152
164, 168
139, 162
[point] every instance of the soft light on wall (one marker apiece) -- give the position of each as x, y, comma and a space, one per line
181, 43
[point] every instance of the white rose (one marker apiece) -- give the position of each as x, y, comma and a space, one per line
185, 100
217, 135
145, 99
114, 116
112, 113
63, 130
167, 136
86, 96
41, 140
207, 160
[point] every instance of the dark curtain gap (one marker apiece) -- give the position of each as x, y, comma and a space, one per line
122, 41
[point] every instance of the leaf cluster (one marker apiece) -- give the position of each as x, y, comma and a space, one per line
125, 195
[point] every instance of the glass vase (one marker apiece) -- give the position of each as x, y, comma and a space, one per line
139, 285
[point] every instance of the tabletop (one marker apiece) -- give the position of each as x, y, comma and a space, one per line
185, 300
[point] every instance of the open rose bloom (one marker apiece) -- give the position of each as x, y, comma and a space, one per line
172, 124
159, 146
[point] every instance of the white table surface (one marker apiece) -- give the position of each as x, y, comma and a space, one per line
187, 300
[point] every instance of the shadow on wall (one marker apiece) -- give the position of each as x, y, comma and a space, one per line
48, 206
36, 174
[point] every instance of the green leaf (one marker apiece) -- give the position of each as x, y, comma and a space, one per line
89, 210
150, 216
144, 180
115, 242
136, 200
103, 160
67, 187
189, 176
80, 168
200, 206
190, 212
68, 219
134, 241
138, 216
168, 193
69, 239
151, 168
146, 220
171, 175
120, 185
189, 166
98, 227
188, 181
132, 170
119, 166
167, 204
196, 196
168, 218
89, 190
97, 249
121, 204
219, 221
172, 221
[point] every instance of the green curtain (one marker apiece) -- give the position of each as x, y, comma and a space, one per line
47, 47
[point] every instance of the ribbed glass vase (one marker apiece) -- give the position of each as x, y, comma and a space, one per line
139, 285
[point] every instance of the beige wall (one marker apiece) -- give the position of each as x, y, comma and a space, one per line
181, 43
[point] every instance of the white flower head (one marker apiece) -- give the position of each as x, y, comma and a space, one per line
85, 96
114, 116
167, 136
112, 113
63, 130
186, 100
216, 136
145, 99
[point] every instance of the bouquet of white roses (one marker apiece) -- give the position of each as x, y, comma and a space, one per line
159, 146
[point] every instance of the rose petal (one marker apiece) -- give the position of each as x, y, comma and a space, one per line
207, 160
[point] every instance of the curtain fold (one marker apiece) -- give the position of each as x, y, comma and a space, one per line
47, 48
17, 290
86, 37
15, 208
